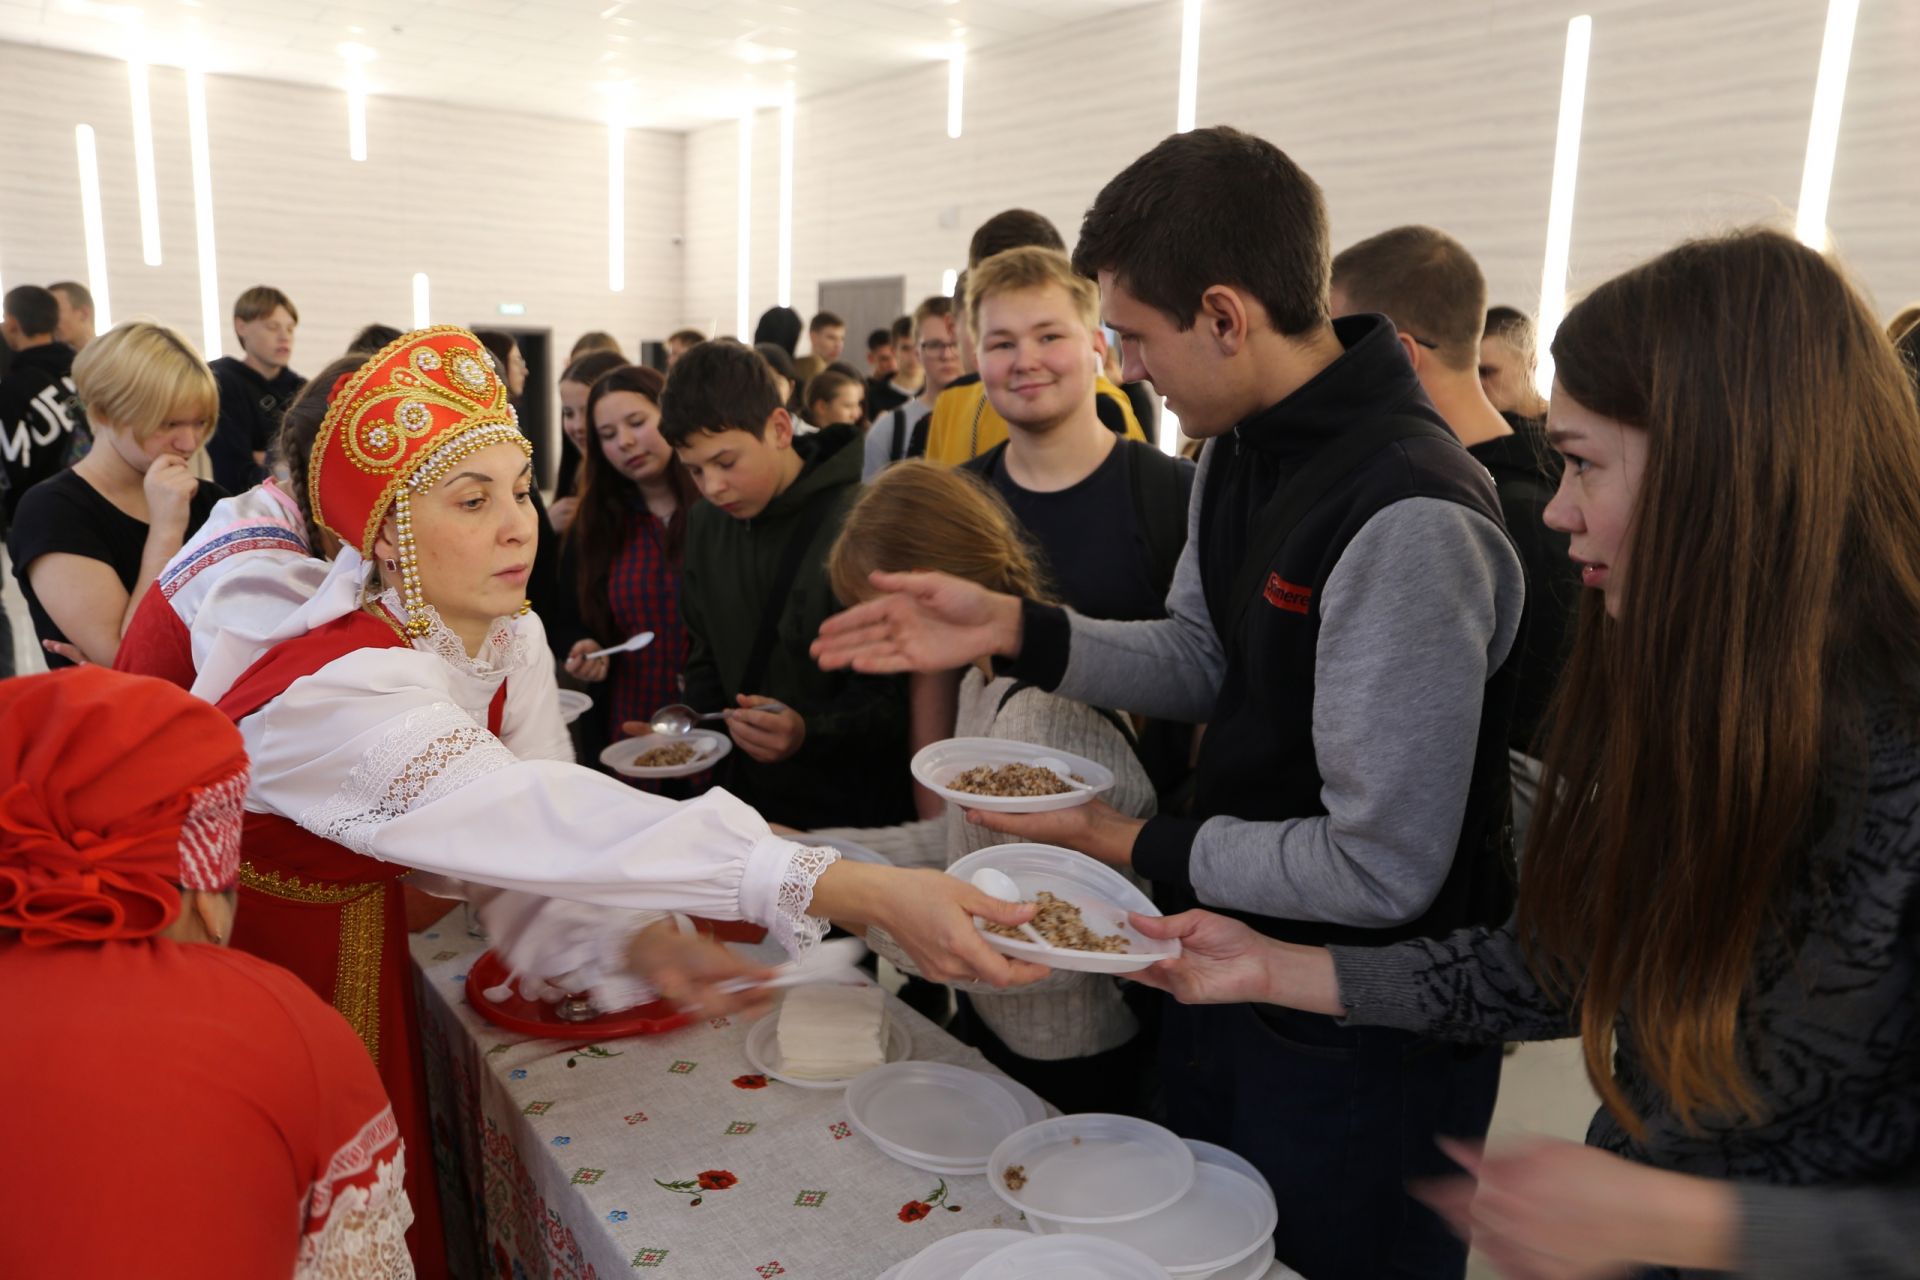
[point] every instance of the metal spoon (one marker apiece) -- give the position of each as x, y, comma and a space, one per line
678, 718
998, 884
629, 645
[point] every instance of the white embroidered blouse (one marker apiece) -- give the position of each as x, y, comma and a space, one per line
386, 752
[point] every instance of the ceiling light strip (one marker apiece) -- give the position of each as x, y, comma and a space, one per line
143, 161
787, 112
1823, 130
94, 226
1566, 165
956, 88
1189, 66
210, 318
743, 228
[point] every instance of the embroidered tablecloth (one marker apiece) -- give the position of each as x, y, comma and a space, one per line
667, 1155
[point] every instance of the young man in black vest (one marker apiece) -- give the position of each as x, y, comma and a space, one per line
1342, 618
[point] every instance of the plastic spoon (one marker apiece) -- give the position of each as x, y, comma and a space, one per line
998, 884
679, 718
833, 962
1060, 769
630, 645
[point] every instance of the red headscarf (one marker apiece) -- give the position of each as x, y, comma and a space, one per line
114, 789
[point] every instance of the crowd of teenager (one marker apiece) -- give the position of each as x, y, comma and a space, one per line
1444, 715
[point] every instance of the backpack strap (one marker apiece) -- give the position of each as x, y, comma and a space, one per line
897, 450
1321, 472
1113, 718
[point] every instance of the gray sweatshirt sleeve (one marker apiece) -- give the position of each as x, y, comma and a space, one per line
1169, 668
1420, 610
1790, 1232
1473, 985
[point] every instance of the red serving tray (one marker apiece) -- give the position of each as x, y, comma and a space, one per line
537, 1017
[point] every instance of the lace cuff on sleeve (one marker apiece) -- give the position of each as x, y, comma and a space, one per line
796, 867
357, 1214
434, 751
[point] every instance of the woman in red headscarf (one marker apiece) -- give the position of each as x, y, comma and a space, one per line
418, 730
175, 1108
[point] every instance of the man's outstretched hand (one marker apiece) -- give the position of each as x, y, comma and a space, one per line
920, 622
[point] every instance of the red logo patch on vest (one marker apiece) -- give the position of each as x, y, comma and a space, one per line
1282, 594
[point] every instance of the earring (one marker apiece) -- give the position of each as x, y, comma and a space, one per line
411, 594
391, 566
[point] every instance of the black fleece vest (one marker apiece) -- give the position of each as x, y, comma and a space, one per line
1257, 760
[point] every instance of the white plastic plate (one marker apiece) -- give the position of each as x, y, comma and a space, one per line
573, 704
1092, 1168
1221, 1220
952, 1257
1103, 895
1208, 1153
939, 763
934, 1112
1066, 1258
1254, 1266
763, 1051
712, 747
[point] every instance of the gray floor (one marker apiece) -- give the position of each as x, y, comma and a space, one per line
1543, 1090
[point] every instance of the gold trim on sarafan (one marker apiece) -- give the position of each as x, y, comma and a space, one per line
363, 917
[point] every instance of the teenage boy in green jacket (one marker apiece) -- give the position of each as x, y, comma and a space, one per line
753, 592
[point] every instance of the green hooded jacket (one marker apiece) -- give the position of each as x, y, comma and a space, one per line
852, 768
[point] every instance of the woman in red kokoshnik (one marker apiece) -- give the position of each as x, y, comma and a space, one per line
181, 1110
418, 730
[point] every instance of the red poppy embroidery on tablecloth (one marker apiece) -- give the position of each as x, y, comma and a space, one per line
750, 1082
914, 1210
698, 1185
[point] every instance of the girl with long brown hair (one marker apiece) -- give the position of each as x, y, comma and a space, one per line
621, 555
1722, 882
1072, 1037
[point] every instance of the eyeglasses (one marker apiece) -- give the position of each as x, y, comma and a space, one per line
939, 348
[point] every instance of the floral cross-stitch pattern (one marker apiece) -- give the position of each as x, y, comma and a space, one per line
697, 1186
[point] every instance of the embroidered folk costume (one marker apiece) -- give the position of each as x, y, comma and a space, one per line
180, 1109
381, 748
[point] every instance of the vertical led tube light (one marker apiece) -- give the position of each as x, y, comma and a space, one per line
211, 327
91, 222
616, 204
1189, 66
785, 278
1823, 131
143, 161
956, 87
1566, 165
422, 301
743, 228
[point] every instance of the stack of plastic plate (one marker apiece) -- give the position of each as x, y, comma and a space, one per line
939, 1117
1195, 1209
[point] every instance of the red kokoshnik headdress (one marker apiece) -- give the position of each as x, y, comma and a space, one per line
394, 428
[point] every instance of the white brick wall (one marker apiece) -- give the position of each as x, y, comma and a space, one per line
494, 207
1443, 112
